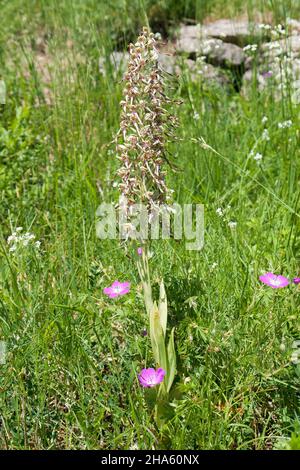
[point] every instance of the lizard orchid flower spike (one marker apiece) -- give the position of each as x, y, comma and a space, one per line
145, 126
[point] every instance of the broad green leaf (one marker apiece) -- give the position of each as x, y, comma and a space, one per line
163, 307
143, 269
171, 354
157, 338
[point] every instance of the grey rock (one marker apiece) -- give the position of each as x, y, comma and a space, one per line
204, 72
167, 63
293, 26
189, 32
234, 31
216, 51
273, 49
118, 61
273, 78
248, 78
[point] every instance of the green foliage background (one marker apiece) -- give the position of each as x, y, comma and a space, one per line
69, 380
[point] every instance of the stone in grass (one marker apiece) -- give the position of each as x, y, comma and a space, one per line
170, 64
259, 80
118, 63
273, 49
293, 26
204, 72
216, 51
239, 32
280, 81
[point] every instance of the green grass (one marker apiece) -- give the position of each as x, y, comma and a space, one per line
69, 380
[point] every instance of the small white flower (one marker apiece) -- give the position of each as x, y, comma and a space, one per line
18, 240
250, 48
285, 124
232, 224
220, 212
265, 135
214, 266
278, 31
196, 116
295, 357
264, 120
135, 446
258, 157
11, 238
266, 27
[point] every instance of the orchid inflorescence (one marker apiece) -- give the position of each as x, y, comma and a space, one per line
144, 127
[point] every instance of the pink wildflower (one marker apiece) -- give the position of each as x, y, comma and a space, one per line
296, 280
151, 377
274, 281
117, 288
140, 251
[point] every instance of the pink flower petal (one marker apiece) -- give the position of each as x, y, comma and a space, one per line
274, 281
151, 377
160, 373
107, 290
117, 288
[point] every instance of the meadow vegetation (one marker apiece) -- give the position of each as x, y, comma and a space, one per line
69, 380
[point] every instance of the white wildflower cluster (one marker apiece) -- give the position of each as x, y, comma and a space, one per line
284, 67
222, 213
278, 31
274, 46
265, 135
250, 48
264, 120
295, 357
20, 240
201, 64
232, 224
285, 124
265, 27
256, 156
